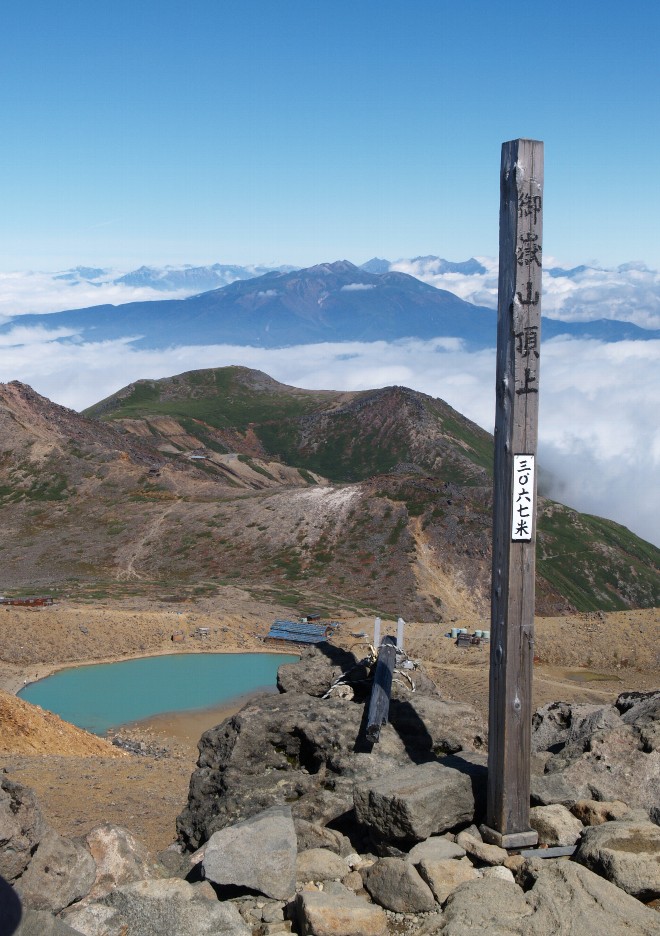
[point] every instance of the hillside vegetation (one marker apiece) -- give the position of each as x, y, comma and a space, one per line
379, 500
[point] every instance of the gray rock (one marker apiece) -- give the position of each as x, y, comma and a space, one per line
318, 669
555, 825
42, 923
475, 907
313, 835
258, 853
480, 851
549, 788
21, 827
61, 871
444, 875
437, 725
173, 862
353, 881
320, 864
639, 708
560, 723
322, 914
396, 885
155, 908
566, 900
309, 752
627, 854
601, 767
642, 710
412, 804
499, 872
594, 812
436, 848
119, 859
337, 889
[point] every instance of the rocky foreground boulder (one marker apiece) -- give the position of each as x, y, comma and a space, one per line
295, 824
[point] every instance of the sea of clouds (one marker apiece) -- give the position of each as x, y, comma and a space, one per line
630, 293
599, 433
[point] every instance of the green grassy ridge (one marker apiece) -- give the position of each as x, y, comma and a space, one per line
596, 563
222, 398
227, 402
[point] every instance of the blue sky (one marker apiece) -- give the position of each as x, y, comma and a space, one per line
305, 130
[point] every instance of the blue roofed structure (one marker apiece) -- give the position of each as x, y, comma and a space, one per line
301, 631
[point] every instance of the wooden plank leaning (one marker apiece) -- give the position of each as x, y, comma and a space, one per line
379, 703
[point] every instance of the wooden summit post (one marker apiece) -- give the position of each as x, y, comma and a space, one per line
514, 508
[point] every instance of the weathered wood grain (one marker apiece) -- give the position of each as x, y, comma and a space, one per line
516, 430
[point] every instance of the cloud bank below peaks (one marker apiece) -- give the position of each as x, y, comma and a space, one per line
630, 293
599, 436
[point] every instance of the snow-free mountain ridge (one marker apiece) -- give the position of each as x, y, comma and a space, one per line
328, 302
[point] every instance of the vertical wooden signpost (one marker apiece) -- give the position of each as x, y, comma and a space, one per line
514, 509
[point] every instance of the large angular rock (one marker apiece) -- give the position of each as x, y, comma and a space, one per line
61, 872
309, 752
608, 765
555, 825
444, 875
481, 851
258, 853
486, 906
119, 859
313, 835
435, 848
317, 670
571, 900
320, 864
560, 723
639, 708
155, 908
321, 914
412, 804
21, 827
549, 788
595, 812
396, 885
627, 854
428, 723
566, 900
642, 710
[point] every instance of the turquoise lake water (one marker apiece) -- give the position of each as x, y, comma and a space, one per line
110, 694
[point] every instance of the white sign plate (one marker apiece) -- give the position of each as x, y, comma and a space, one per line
523, 498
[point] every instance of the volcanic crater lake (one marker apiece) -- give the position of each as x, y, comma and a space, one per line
105, 695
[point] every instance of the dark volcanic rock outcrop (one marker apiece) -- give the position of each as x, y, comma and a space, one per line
600, 754
309, 752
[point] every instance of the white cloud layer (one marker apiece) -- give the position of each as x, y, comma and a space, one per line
630, 293
22, 293
599, 428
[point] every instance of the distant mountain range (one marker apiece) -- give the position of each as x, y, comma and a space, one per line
193, 279
329, 302
187, 278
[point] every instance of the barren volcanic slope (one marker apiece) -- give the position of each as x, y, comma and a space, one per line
376, 501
